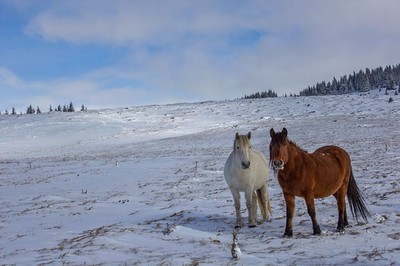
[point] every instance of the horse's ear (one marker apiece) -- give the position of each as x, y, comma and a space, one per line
272, 132
284, 132
237, 136
249, 135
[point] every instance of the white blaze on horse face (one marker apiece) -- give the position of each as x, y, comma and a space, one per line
242, 150
279, 157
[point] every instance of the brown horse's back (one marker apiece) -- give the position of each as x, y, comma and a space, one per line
333, 150
333, 171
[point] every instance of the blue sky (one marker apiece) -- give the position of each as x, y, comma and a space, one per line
105, 53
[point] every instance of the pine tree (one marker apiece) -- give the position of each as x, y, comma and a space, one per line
390, 82
71, 107
38, 110
30, 110
13, 111
364, 84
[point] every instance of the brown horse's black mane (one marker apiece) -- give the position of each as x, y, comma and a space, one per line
280, 138
297, 146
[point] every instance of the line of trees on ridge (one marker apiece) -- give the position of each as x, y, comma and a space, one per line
263, 94
31, 110
363, 81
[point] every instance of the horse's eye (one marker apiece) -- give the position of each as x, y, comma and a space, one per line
237, 147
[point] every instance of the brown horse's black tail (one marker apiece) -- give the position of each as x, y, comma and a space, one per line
356, 200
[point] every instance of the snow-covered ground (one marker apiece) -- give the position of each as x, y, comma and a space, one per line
144, 185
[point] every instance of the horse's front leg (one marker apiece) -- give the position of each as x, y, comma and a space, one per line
236, 199
309, 198
249, 194
290, 204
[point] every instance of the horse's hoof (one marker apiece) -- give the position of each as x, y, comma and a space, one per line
288, 235
317, 230
340, 230
252, 226
238, 227
263, 221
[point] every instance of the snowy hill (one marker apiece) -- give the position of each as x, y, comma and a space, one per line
144, 185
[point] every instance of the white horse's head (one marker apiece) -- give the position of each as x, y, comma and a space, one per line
241, 148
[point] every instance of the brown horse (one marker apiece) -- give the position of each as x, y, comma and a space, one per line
327, 171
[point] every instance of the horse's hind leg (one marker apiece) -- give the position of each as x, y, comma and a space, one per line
264, 204
346, 222
254, 206
341, 203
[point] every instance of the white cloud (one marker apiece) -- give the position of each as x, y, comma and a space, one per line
175, 47
8, 78
140, 22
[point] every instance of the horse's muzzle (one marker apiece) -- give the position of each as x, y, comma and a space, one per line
278, 164
246, 165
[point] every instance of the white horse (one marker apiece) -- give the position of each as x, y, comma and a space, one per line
246, 170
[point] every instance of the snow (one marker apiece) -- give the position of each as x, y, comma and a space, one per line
144, 185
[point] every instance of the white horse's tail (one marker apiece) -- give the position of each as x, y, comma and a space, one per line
262, 203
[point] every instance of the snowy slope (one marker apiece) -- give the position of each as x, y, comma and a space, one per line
144, 185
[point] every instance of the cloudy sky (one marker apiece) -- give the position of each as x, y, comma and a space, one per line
105, 53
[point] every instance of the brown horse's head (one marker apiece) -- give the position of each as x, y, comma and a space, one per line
278, 149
